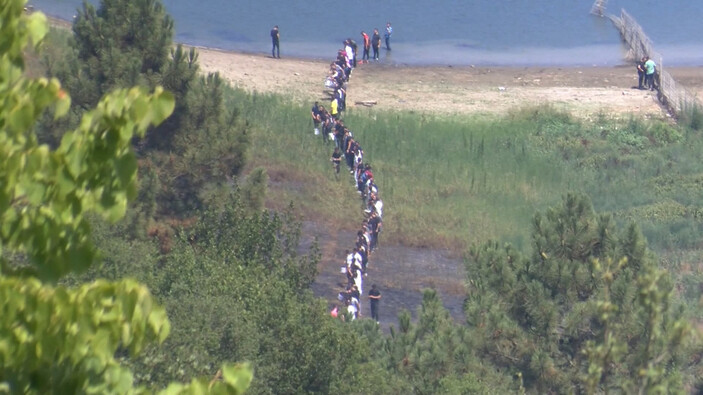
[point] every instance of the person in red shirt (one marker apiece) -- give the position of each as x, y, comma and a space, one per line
367, 45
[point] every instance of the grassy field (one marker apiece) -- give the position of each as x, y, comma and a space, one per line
453, 182
448, 182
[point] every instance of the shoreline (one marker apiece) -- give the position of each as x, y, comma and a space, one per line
584, 91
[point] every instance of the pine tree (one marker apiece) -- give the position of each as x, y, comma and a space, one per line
565, 316
124, 43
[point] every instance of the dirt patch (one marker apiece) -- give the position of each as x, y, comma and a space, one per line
401, 273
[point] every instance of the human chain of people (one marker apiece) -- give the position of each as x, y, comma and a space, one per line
329, 125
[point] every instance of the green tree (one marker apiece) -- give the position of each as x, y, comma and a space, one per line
55, 339
560, 312
123, 43
237, 288
435, 354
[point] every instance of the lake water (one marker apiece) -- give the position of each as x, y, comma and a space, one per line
480, 32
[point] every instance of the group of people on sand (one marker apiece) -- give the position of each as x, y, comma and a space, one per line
347, 150
646, 73
368, 42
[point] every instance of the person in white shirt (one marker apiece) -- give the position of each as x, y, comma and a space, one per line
358, 279
352, 308
378, 206
350, 53
358, 260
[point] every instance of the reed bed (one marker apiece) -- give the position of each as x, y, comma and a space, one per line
450, 181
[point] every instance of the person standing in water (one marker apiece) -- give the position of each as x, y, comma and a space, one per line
389, 32
376, 43
275, 42
367, 46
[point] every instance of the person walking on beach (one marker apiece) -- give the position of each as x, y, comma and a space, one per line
367, 46
375, 298
376, 43
650, 68
641, 73
389, 32
276, 43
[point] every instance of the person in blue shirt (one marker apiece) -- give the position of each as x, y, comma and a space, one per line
650, 69
389, 32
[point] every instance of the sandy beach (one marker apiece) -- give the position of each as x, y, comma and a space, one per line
583, 91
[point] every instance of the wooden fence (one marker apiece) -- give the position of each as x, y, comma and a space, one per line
671, 94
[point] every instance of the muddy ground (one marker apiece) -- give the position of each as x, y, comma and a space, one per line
399, 272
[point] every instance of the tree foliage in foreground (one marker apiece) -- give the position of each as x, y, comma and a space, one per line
55, 339
589, 309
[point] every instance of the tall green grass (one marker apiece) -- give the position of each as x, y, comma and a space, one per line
297, 161
449, 181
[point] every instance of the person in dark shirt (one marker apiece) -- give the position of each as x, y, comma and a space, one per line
336, 160
376, 43
375, 298
375, 224
276, 43
316, 117
355, 48
640, 73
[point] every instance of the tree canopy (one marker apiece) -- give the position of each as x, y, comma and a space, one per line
588, 309
55, 339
